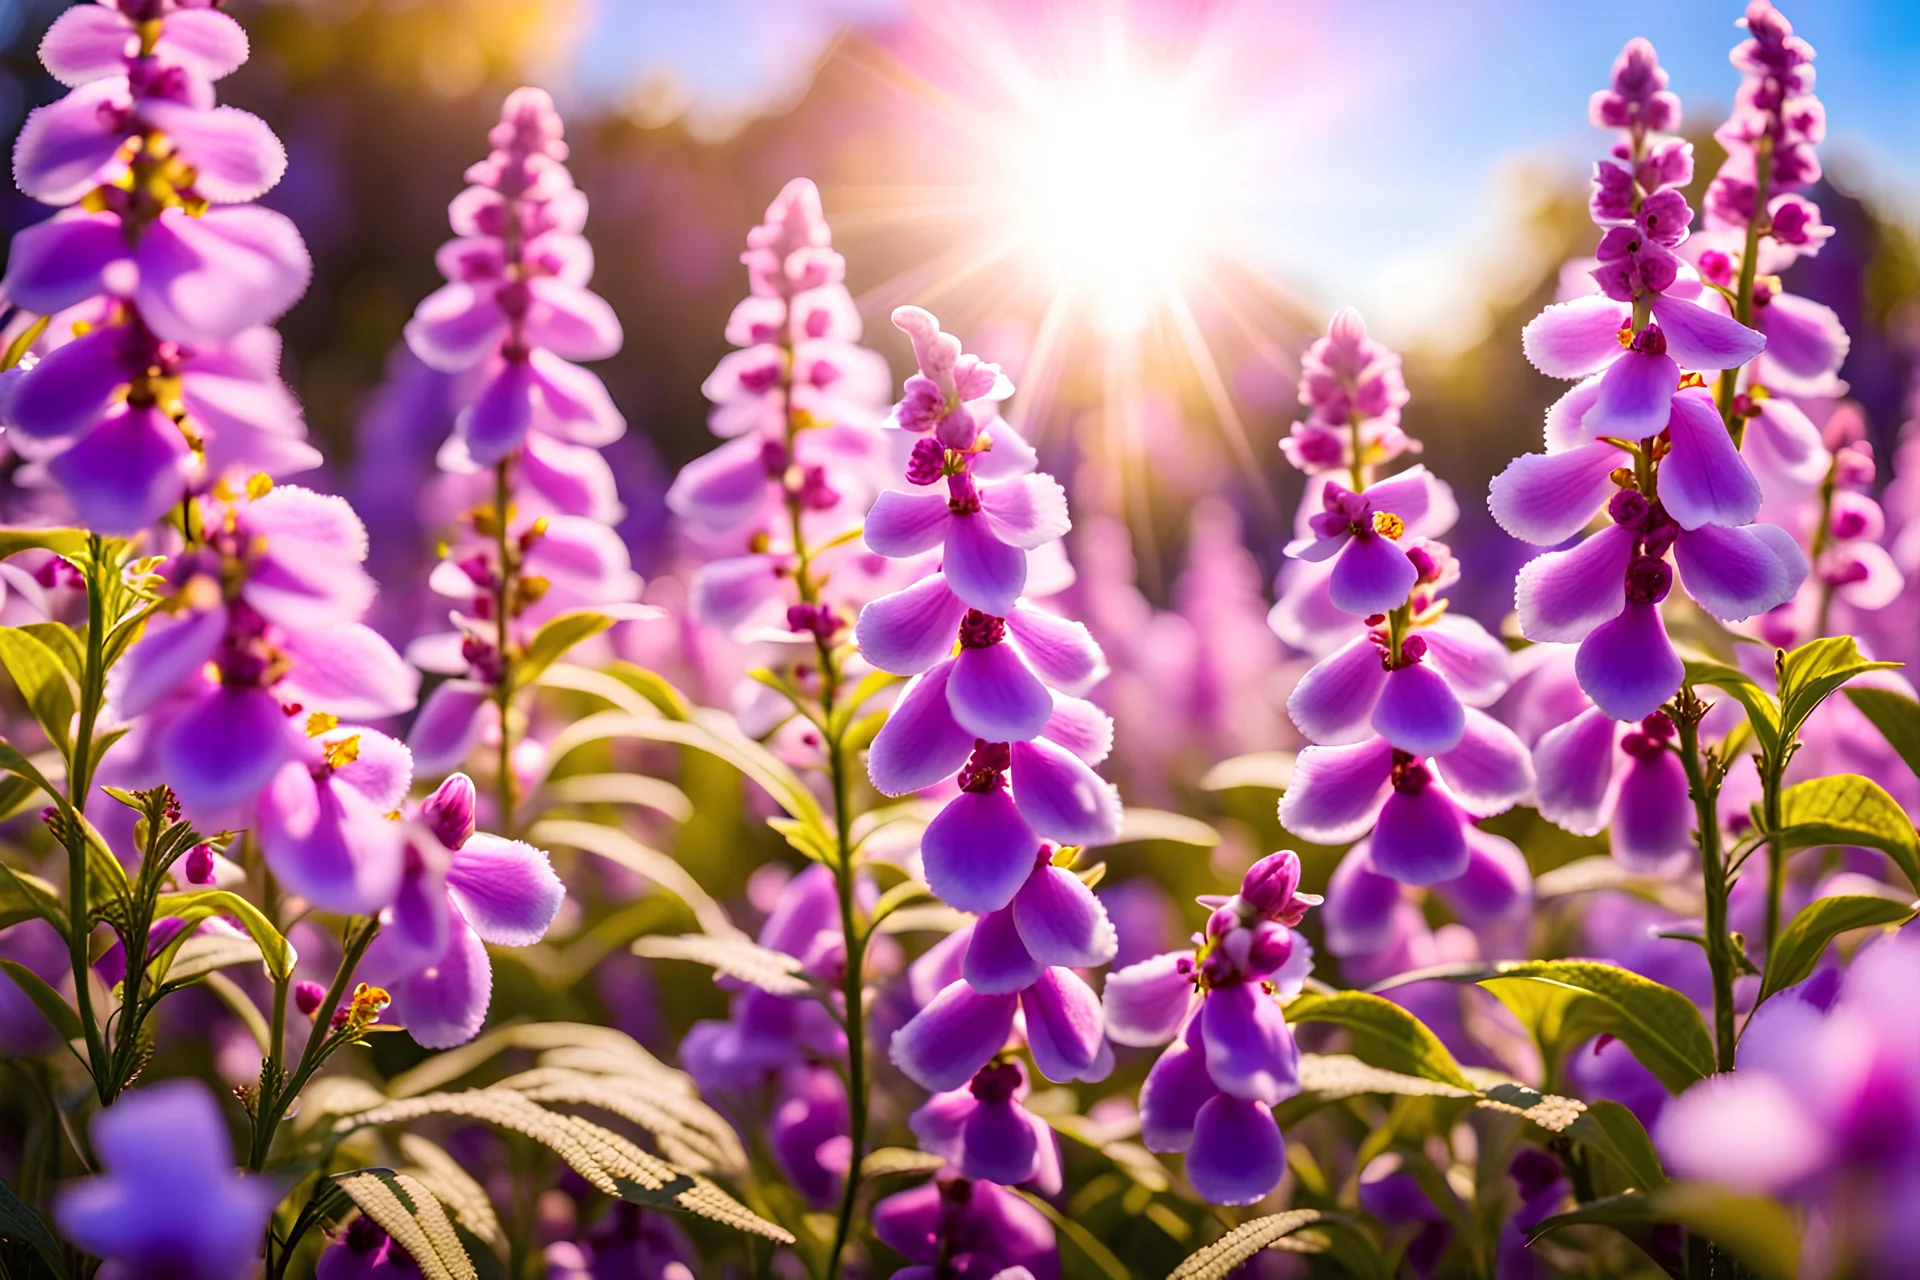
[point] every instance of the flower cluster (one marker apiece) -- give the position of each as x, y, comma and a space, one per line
510, 323
1640, 437
149, 372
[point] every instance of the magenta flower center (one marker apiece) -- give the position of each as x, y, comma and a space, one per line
981, 631
986, 769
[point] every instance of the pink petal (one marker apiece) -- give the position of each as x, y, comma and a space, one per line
1420, 837
1061, 798
1081, 728
205, 279
1250, 1051
1703, 339
1337, 791
1060, 650
1360, 907
1869, 577
1409, 495
978, 851
953, 1037
204, 41
1738, 573
328, 842
1476, 665
907, 524
225, 747
574, 478
1704, 479
1238, 1155
1371, 575
998, 962
166, 657
62, 261
1065, 1030
1418, 712
572, 322
573, 403
910, 630
1026, 511
1806, 344
1782, 442
445, 1003
1546, 498
1147, 1003
1748, 1130
1653, 819
982, 570
921, 743
66, 148
234, 155
993, 695
88, 42
727, 593
1628, 666
127, 472
498, 420
506, 889
1563, 595
1574, 772
1002, 1144
1564, 416
73, 385
349, 670
1334, 701
1635, 399
1061, 922
1574, 339
1170, 1100
1491, 770
1496, 885
456, 327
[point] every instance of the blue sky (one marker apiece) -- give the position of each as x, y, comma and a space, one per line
1382, 130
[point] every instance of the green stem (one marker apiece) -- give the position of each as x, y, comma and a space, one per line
79, 779
503, 603
854, 989
1703, 786
270, 1110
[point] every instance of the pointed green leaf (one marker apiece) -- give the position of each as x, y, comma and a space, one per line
1820, 922
66, 543
1896, 716
49, 1002
1617, 1133
1847, 809
1811, 673
1563, 1002
1763, 713
1384, 1035
20, 1223
1757, 1231
556, 636
198, 905
25, 897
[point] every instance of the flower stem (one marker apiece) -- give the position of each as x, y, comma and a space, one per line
503, 604
854, 992
79, 779
269, 1110
1704, 775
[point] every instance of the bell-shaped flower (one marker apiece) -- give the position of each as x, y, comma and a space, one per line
984, 1133
961, 1030
169, 1201
1494, 893
808, 1131
1806, 343
1054, 919
983, 529
1594, 773
100, 41
1418, 809
1363, 533
325, 819
1415, 699
955, 396
978, 849
956, 1225
911, 630
458, 891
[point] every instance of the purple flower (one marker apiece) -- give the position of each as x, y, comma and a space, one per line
262, 639
454, 898
984, 530
953, 402
24, 1030
169, 1202
1636, 97
630, 1243
1594, 774
1353, 390
1492, 896
969, 1228
1416, 697
985, 1134
1419, 809
1362, 532
808, 1131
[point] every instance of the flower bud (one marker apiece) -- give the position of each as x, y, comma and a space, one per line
1270, 883
307, 997
449, 811
200, 864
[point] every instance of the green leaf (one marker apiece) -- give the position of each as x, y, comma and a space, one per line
1384, 1035
48, 1001
1563, 1002
654, 687
66, 646
1811, 673
1896, 716
42, 680
198, 905
849, 704
1617, 1133
1158, 824
556, 636
807, 840
67, 543
1806, 936
21, 1224
1757, 1231
1272, 770
1763, 713
1848, 809
17, 764
25, 897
